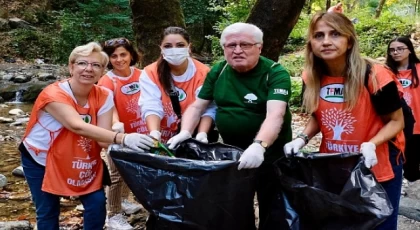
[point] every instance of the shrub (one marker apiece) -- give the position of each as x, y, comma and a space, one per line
374, 34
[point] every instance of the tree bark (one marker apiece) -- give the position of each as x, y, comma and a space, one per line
150, 18
379, 9
328, 4
276, 18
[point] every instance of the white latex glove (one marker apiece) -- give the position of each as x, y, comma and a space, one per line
138, 142
252, 157
293, 147
118, 127
155, 134
180, 137
368, 151
202, 136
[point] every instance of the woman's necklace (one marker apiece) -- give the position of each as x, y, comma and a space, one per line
77, 101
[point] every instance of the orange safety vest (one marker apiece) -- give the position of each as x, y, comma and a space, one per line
345, 130
411, 94
126, 99
73, 165
187, 95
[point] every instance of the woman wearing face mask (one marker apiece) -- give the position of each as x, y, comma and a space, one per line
175, 71
405, 64
123, 80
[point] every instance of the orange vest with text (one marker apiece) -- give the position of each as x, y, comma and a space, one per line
187, 95
126, 98
411, 94
345, 130
73, 165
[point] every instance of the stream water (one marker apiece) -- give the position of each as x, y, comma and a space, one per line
15, 199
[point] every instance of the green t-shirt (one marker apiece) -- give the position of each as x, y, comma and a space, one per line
241, 100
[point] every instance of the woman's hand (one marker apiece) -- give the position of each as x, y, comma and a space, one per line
138, 142
337, 8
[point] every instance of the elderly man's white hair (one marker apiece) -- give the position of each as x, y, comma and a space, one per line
242, 28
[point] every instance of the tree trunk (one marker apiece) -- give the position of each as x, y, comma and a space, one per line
150, 18
379, 9
328, 4
276, 18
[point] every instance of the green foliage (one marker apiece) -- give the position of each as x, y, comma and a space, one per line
231, 11
96, 20
375, 34
297, 37
295, 98
293, 63
32, 43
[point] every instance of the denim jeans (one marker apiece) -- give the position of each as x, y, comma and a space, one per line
48, 205
393, 189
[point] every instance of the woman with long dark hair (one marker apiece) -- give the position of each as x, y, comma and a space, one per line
174, 73
123, 80
402, 60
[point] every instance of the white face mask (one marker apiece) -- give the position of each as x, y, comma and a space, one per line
175, 56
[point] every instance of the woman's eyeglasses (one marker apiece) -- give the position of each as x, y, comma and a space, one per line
84, 64
117, 41
397, 50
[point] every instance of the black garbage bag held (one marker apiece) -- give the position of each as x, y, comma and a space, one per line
333, 191
199, 189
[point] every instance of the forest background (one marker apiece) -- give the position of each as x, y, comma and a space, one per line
55, 27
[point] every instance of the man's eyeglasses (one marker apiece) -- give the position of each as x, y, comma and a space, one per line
397, 50
117, 41
243, 46
84, 64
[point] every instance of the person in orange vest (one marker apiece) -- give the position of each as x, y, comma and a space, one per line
352, 117
174, 73
60, 151
123, 80
405, 64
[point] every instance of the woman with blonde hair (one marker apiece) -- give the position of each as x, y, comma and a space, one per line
69, 125
351, 115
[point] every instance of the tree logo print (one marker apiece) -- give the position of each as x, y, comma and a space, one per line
181, 94
131, 88
408, 98
132, 106
85, 144
340, 121
405, 82
250, 97
86, 118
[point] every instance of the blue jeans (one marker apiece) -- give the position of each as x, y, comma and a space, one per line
48, 205
393, 189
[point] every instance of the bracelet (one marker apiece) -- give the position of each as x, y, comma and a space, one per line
115, 138
304, 137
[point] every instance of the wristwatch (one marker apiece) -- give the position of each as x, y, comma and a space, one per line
262, 143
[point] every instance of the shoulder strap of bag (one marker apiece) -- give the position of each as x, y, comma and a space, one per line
174, 96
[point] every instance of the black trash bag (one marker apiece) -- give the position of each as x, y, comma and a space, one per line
206, 191
333, 191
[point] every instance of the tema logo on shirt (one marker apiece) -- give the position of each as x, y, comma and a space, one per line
131, 88
181, 94
251, 98
333, 93
405, 82
281, 91
86, 118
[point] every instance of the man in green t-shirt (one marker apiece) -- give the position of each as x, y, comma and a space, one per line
251, 93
